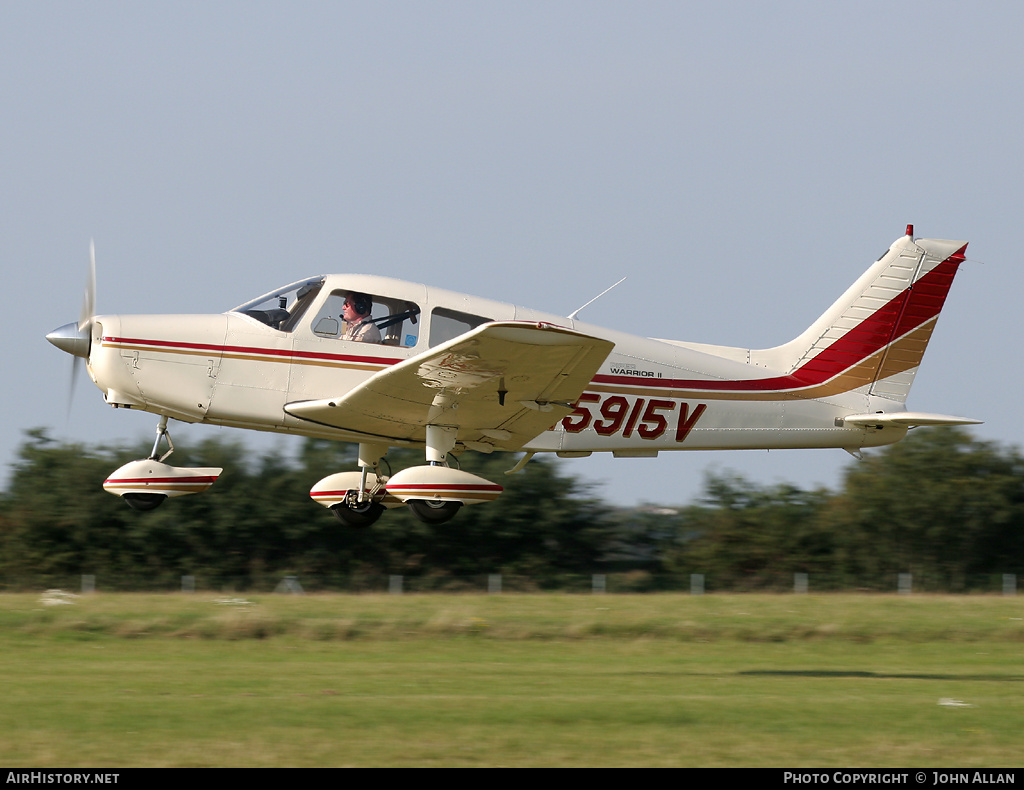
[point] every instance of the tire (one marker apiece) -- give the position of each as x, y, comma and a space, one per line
144, 502
433, 512
361, 516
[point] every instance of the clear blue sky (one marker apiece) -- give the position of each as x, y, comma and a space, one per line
742, 162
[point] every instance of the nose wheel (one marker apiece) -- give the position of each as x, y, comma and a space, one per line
146, 483
143, 503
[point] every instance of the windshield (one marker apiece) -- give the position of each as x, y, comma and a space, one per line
282, 309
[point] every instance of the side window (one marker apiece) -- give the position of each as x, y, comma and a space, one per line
447, 324
394, 320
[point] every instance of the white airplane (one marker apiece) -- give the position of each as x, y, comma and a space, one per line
384, 363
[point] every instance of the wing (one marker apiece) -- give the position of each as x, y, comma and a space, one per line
501, 384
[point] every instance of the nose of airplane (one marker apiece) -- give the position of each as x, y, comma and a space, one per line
71, 339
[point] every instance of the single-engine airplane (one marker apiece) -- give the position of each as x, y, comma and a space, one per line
384, 363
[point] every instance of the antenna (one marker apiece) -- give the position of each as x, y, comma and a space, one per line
574, 313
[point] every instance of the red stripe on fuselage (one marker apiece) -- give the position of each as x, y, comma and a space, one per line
285, 353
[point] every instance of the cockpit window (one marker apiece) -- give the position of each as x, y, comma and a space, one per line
283, 309
389, 322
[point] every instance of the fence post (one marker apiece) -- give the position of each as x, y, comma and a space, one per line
696, 584
290, 584
1009, 584
904, 584
597, 583
188, 584
800, 583
395, 584
494, 583
88, 583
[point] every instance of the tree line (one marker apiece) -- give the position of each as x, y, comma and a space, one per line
941, 505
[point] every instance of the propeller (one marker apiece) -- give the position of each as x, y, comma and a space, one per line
76, 338
89, 298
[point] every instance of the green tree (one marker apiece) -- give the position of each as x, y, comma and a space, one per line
940, 505
57, 520
750, 537
258, 522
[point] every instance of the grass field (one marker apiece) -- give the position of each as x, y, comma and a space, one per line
119, 680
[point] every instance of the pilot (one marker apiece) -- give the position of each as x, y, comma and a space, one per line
355, 312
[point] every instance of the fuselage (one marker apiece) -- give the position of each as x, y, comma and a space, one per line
242, 367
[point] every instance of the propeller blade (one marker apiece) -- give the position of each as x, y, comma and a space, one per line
75, 365
85, 315
89, 298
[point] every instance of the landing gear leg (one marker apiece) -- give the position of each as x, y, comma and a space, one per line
161, 433
369, 458
440, 442
362, 508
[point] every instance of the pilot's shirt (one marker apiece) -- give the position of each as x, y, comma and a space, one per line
363, 331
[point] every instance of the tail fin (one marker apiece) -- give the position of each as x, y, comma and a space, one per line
875, 334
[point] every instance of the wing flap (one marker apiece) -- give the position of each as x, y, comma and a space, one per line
501, 384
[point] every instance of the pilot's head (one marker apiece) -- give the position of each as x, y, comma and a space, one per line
356, 306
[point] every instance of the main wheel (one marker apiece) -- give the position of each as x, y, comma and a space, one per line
433, 512
144, 502
362, 514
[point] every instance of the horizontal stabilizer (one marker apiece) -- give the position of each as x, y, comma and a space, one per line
905, 419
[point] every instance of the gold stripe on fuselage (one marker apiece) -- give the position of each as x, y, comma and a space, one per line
899, 356
287, 359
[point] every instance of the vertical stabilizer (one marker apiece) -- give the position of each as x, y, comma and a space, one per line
874, 336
